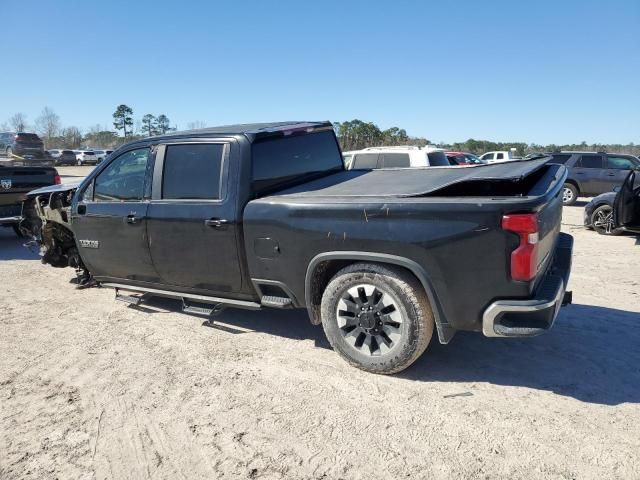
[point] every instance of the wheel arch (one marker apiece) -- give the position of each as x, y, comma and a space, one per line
324, 266
575, 183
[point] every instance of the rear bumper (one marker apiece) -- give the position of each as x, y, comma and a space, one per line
531, 317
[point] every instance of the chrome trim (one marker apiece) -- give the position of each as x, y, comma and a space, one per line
179, 295
10, 220
502, 306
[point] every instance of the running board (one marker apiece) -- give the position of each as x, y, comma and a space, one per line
130, 299
275, 302
202, 310
182, 296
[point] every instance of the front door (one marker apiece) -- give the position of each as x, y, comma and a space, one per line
110, 222
626, 207
193, 224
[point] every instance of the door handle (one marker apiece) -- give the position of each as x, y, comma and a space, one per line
611, 174
216, 222
579, 173
132, 219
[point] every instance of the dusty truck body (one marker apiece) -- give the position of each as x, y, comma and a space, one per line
266, 216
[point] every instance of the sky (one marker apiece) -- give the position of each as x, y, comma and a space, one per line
534, 71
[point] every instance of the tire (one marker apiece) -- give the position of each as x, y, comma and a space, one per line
387, 321
79, 163
9, 152
569, 194
602, 221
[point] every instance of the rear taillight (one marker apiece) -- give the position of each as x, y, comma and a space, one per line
524, 259
57, 180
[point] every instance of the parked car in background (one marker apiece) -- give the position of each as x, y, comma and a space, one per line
398, 157
27, 146
102, 154
54, 153
592, 173
499, 156
66, 157
462, 158
603, 214
86, 157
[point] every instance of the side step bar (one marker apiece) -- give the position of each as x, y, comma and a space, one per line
181, 296
275, 302
130, 299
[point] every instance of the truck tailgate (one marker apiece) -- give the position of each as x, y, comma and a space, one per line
15, 182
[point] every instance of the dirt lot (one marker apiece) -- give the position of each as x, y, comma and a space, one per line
90, 388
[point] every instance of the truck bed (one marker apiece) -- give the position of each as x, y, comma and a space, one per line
510, 178
447, 220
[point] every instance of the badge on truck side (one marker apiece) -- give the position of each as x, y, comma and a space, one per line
89, 243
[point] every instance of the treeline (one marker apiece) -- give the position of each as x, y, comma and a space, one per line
356, 135
49, 127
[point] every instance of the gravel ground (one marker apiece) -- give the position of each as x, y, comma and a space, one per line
91, 388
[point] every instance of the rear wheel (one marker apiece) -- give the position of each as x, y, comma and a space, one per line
569, 194
377, 318
602, 221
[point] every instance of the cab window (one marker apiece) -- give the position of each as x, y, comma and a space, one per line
123, 179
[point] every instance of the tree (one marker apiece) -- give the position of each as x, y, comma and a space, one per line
18, 122
102, 138
162, 124
72, 137
149, 125
123, 118
48, 125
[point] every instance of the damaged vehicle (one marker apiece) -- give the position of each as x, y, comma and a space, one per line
266, 216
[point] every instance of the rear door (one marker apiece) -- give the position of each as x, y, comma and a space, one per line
588, 171
110, 219
616, 170
192, 218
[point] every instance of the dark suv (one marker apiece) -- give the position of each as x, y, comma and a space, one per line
593, 173
25, 145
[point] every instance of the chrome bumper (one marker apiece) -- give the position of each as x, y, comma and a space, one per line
531, 317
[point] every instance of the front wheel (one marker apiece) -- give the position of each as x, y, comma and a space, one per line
569, 194
377, 318
602, 221
79, 163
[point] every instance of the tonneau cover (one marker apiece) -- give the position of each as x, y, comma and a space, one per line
410, 182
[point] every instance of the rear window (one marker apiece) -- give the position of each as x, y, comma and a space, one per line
68, 152
192, 171
89, 152
438, 159
559, 159
395, 160
590, 161
28, 137
277, 161
365, 161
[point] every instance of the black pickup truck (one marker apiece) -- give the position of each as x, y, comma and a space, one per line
265, 215
15, 183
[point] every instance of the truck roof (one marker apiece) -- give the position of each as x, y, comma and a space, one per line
253, 130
